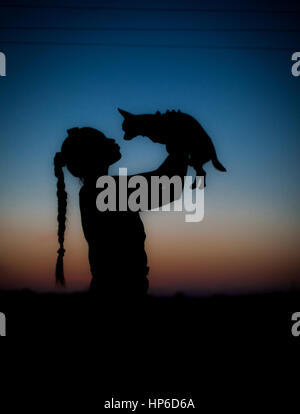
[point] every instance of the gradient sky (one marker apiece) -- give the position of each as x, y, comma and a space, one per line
247, 100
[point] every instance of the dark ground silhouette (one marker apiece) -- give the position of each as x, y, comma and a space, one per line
178, 320
222, 351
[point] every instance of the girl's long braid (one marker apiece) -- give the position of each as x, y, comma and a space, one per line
61, 216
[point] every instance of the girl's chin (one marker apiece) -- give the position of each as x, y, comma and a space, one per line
118, 157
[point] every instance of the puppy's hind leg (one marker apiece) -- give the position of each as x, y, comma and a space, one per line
200, 175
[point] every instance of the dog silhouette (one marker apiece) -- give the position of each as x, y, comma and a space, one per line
174, 128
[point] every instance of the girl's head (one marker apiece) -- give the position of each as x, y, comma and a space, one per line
87, 153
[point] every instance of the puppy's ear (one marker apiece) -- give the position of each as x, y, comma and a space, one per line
125, 114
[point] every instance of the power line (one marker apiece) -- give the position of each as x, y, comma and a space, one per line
148, 9
132, 45
148, 29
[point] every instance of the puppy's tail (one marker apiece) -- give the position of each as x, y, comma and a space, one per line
217, 164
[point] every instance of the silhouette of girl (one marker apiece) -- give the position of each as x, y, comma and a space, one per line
117, 257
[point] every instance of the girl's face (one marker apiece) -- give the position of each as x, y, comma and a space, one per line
91, 154
101, 154
111, 151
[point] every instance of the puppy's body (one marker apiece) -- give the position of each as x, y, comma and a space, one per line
174, 129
